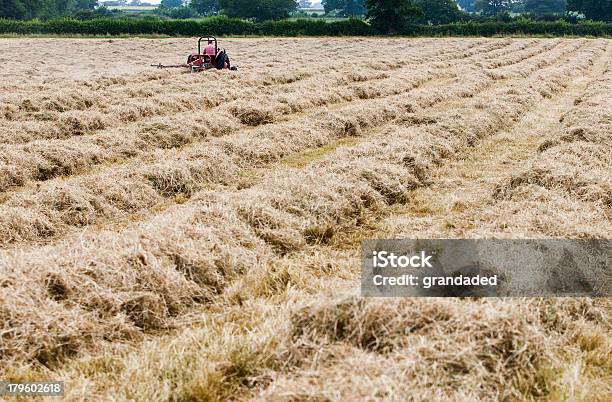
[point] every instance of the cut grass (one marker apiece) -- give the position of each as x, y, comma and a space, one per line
301, 159
242, 284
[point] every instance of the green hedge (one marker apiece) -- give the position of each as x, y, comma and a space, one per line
132, 26
517, 27
189, 27
307, 27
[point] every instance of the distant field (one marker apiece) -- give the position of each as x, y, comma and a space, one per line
176, 236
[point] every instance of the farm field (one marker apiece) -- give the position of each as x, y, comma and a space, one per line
176, 236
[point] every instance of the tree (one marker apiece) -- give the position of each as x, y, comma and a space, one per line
84, 5
354, 8
541, 7
391, 16
259, 10
331, 5
28, 9
466, 5
55, 8
183, 12
13, 9
493, 7
345, 7
205, 7
170, 4
99, 12
600, 10
438, 11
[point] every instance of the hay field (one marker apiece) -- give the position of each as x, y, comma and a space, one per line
176, 236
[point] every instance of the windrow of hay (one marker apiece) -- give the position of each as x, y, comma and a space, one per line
432, 349
100, 94
330, 348
578, 161
111, 287
32, 162
114, 286
31, 115
386, 166
103, 194
468, 349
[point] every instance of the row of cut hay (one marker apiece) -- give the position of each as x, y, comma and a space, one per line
523, 52
120, 285
180, 94
331, 348
40, 115
379, 172
517, 45
58, 206
111, 286
578, 161
541, 60
357, 348
525, 65
38, 160
347, 347
64, 113
66, 55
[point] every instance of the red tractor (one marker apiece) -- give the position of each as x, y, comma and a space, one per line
204, 59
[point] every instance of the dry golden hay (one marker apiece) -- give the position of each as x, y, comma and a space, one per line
157, 194
251, 116
579, 160
146, 310
477, 348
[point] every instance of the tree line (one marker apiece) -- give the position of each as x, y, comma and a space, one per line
591, 9
222, 25
259, 10
45, 9
386, 15
418, 11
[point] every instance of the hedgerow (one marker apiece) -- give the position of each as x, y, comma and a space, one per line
301, 27
516, 27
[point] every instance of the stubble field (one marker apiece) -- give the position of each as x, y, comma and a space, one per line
176, 236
